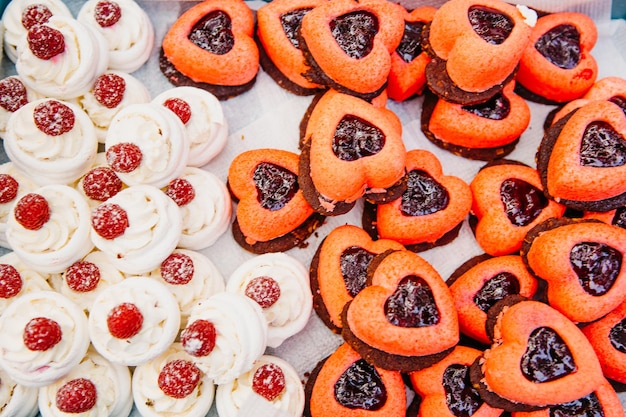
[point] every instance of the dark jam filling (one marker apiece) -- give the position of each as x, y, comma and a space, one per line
412, 304
213, 33
355, 32
522, 201
619, 219
360, 387
423, 196
411, 44
602, 146
355, 138
617, 336
588, 406
597, 266
547, 357
353, 263
275, 185
462, 398
495, 289
490, 24
496, 108
561, 46
620, 101
291, 22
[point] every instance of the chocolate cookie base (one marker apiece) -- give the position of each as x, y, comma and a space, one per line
308, 387
318, 301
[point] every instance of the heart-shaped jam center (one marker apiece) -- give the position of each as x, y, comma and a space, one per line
496, 108
213, 33
490, 24
291, 22
495, 289
462, 398
424, 195
597, 266
360, 386
412, 304
522, 201
355, 32
617, 336
275, 185
602, 146
547, 357
619, 218
560, 46
411, 44
356, 138
353, 263
588, 406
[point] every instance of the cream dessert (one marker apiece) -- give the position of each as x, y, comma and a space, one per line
99, 183
13, 95
203, 117
16, 400
17, 279
13, 186
134, 321
51, 141
49, 228
125, 26
172, 385
279, 283
226, 333
271, 378
44, 335
147, 144
205, 205
95, 387
137, 228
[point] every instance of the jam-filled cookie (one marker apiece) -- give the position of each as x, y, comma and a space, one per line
616, 217
211, 46
404, 319
338, 270
272, 214
429, 213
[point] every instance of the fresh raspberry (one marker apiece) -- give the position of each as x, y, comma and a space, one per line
107, 13
13, 94
264, 290
109, 220
109, 90
41, 334
35, 14
32, 211
82, 276
180, 107
76, 396
124, 157
179, 378
45, 42
53, 117
124, 320
101, 183
10, 281
269, 381
177, 269
181, 191
8, 188
198, 338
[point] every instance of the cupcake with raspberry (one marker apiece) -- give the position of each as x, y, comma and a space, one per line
17, 279
99, 183
13, 186
13, 95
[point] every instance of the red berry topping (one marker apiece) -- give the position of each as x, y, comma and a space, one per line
10, 281
76, 396
101, 183
35, 14
180, 107
109, 90
264, 290
124, 320
269, 381
181, 191
13, 94
8, 188
179, 378
124, 157
45, 42
177, 269
82, 276
107, 13
32, 211
198, 338
109, 220
41, 333
53, 117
